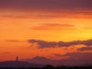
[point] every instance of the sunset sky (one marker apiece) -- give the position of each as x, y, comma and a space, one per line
49, 28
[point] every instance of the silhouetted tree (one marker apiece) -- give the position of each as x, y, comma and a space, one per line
48, 67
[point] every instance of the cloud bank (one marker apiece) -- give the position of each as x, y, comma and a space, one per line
58, 6
50, 5
46, 44
49, 8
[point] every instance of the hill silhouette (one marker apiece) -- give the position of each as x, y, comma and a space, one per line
64, 62
42, 60
27, 65
18, 64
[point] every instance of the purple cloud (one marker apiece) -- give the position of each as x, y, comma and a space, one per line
47, 5
46, 44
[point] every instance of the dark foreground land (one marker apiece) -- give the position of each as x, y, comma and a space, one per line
26, 65
51, 67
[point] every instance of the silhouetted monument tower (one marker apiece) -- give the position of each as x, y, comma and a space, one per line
17, 58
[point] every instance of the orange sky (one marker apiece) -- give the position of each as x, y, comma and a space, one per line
20, 26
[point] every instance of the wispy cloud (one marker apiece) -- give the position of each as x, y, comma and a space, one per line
87, 28
12, 41
5, 53
86, 48
54, 26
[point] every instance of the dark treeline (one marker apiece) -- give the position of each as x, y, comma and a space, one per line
51, 67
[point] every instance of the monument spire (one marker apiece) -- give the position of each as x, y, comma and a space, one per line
17, 58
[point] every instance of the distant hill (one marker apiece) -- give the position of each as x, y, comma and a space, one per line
64, 62
42, 60
15, 64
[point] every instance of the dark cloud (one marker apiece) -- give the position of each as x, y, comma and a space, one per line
46, 44
86, 42
85, 48
47, 5
46, 8
43, 44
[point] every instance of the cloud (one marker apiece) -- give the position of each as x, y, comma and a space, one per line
46, 4
85, 48
46, 44
60, 8
85, 42
54, 26
43, 44
88, 28
15, 16
5, 53
63, 25
12, 41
